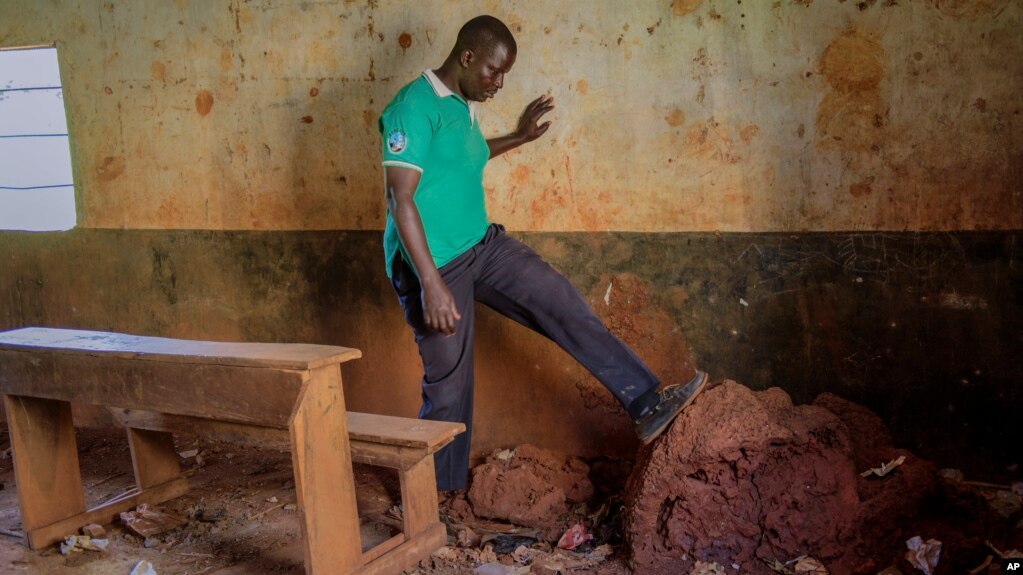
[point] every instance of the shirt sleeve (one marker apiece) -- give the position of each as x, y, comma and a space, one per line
406, 134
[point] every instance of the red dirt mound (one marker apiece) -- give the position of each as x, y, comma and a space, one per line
529, 486
745, 478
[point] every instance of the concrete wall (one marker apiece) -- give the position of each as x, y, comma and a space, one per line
764, 186
672, 116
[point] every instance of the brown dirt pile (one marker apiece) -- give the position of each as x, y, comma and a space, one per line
742, 476
747, 478
529, 486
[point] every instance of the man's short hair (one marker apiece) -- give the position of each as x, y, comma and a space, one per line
484, 33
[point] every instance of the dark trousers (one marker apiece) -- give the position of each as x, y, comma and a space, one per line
509, 277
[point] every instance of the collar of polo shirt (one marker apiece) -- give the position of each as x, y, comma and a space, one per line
443, 91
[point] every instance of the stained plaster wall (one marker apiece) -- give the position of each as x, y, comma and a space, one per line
226, 162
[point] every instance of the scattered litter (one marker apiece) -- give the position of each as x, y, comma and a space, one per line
466, 537
1011, 554
291, 507
500, 569
143, 568
79, 543
810, 566
743, 302
923, 555
505, 454
559, 560
271, 499
802, 564
886, 468
395, 512
1004, 503
503, 543
147, 522
95, 531
711, 568
951, 474
188, 454
574, 537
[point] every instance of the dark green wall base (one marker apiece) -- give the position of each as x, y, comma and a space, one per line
925, 328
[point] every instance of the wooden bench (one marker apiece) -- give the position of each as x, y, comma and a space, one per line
157, 386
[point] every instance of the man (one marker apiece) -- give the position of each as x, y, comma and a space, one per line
442, 254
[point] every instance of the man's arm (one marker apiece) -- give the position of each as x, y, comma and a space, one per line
439, 311
527, 130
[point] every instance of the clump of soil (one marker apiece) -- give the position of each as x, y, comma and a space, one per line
747, 478
529, 486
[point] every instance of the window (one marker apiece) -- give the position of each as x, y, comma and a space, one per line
36, 188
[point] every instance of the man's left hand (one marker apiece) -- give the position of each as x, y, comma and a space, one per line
528, 128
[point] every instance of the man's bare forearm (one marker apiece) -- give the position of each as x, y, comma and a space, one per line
413, 237
440, 312
503, 144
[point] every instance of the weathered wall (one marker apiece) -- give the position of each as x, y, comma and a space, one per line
707, 165
923, 327
672, 116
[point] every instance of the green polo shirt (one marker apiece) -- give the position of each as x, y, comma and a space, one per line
428, 128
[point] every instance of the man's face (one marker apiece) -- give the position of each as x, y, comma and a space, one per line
483, 74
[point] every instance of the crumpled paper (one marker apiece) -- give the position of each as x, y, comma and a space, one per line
78, 543
143, 568
801, 565
885, 468
574, 537
809, 566
922, 554
147, 522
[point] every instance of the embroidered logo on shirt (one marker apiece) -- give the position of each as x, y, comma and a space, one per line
396, 141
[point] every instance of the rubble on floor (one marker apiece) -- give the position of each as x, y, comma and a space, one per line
743, 483
748, 479
529, 486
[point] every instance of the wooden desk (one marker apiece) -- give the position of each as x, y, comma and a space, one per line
157, 386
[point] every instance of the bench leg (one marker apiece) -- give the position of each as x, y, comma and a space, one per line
45, 462
324, 481
153, 457
419, 497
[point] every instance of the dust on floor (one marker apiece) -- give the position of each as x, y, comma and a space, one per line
240, 515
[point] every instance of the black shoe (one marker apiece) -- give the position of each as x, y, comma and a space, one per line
674, 399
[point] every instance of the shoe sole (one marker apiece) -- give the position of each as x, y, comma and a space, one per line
699, 389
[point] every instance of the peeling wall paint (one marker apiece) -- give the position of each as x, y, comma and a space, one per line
689, 115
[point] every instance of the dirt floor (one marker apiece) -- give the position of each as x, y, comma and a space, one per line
246, 493
743, 482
